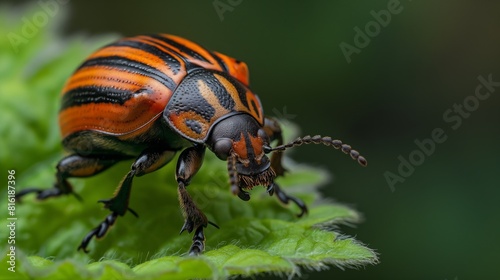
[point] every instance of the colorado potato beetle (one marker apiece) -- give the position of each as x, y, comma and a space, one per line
147, 97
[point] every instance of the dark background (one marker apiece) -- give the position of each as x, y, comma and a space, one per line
442, 221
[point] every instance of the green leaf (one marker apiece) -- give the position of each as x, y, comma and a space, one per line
258, 236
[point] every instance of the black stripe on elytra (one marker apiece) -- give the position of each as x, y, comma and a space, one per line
132, 66
169, 60
155, 38
181, 47
223, 65
95, 94
198, 56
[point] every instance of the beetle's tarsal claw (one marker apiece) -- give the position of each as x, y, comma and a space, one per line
98, 231
270, 189
285, 198
85, 243
303, 209
243, 195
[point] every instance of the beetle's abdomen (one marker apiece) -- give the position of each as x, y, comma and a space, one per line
124, 87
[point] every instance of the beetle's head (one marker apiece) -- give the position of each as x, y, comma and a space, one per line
241, 140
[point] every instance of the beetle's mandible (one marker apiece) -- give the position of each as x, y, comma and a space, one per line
146, 98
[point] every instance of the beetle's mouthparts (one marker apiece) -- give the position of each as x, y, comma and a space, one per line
264, 178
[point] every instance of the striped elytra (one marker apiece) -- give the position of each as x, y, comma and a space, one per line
122, 89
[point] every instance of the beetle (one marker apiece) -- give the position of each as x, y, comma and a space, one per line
146, 98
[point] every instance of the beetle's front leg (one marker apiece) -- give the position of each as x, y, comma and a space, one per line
189, 163
285, 198
147, 162
273, 131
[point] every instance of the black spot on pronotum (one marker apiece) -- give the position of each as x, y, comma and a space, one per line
193, 125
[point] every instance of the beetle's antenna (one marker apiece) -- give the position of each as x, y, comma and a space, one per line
318, 139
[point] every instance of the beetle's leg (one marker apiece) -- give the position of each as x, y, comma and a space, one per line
71, 166
273, 130
99, 231
285, 198
147, 162
189, 163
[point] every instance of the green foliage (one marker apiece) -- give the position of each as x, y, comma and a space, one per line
259, 236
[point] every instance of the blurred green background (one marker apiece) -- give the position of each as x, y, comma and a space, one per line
442, 222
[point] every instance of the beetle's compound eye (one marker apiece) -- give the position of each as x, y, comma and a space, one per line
222, 148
